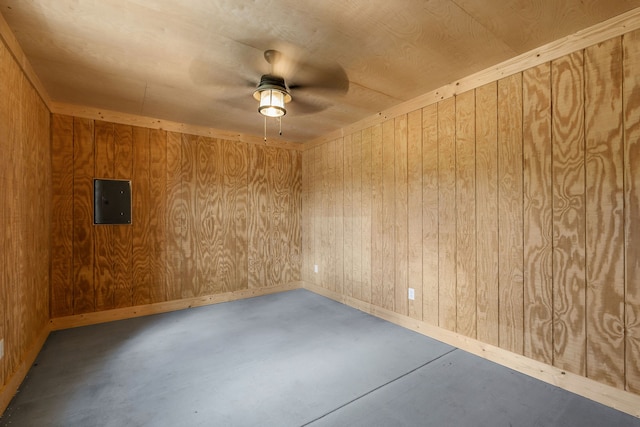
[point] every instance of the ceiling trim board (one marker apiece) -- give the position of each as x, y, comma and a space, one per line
153, 123
582, 39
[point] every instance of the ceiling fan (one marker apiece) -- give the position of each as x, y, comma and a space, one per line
273, 92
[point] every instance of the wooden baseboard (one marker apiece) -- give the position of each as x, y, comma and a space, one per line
601, 393
162, 307
13, 383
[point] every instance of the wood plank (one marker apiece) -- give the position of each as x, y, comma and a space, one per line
83, 168
631, 96
317, 201
465, 145
510, 216
284, 236
388, 215
348, 216
12, 256
140, 217
307, 221
339, 213
538, 214
356, 224
604, 213
189, 155
326, 257
235, 196
447, 214
123, 234
259, 252
42, 237
157, 205
366, 215
414, 212
22, 296
568, 213
430, 211
175, 219
401, 216
210, 265
487, 328
103, 243
62, 215
377, 286
329, 221
293, 238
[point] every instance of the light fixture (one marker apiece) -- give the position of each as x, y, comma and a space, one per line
272, 93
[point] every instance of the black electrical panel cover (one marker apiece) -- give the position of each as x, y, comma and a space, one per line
111, 201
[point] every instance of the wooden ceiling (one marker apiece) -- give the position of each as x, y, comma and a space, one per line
198, 61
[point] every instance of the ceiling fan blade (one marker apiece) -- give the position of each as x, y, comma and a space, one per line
326, 77
301, 107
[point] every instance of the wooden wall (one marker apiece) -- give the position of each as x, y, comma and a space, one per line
209, 216
512, 210
25, 203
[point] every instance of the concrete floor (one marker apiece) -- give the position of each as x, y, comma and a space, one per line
287, 359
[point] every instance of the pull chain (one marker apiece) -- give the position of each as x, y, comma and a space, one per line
280, 121
265, 129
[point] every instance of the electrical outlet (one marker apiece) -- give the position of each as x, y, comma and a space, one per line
315, 268
412, 294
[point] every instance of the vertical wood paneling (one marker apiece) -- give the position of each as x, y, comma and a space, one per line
388, 215
414, 209
466, 214
487, 329
330, 217
175, 216
430, 212
317, 197
631, 96
326, 224
123, 234
510, 216
292, 237
348, 217
538, 215
104, 248
356, 200
157, 205
193, 217
258, 202
285, 238
339, 214
524, 226
604, 213
189, 155
6, 106
235, 185
83, 168
366, 215
61, 215
401, 216
568, 213
25, 195
377, 286
210, 263
307, 222
447, 214
140, 218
